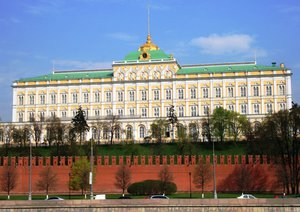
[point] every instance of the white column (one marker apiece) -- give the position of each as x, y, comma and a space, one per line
288, 90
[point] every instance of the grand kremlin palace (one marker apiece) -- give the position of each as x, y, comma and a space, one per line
145, 84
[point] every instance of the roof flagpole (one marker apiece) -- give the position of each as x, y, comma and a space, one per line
53, 62
148, 19
255, 56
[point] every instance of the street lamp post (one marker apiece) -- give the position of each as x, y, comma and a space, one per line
91, 172
30, 166
190, 178
69, 185
214, 171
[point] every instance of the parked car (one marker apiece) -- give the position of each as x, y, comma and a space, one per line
159, 197
54, 198
100, 196
246, 196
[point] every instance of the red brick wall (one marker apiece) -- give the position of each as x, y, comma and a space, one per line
142, 167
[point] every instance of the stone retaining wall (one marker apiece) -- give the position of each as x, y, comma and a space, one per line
258, 205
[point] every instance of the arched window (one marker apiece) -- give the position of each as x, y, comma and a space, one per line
129, 132
256, 125
142, 131
94, 133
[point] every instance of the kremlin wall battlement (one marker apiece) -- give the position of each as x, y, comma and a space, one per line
141, 167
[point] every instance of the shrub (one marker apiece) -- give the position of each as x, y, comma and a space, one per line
149, 187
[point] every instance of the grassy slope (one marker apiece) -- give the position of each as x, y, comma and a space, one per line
133, 149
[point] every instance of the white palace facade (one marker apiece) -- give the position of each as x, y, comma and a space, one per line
146, 83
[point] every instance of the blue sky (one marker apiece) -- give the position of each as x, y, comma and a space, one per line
85, 34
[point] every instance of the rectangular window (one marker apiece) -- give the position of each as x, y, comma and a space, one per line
97, 113
131, 111
85, 97
52, 113
168, 94
180, 94
64, 98
120, 96
181, 111
156, 94
31, 99
120, 112
156, 111
194, 110
243, 91
168, 111
108, 112
20, 117
144, 112
231, 107
281, 90
21, 100
193, 93
205, 110
75, 97
269, 108
256, 108
63, 114
144, 95
269, 90
230, 92
256, 91
42, 99
131, 95
42, 116
282, 106
31, 116
218, 92
243, 109
205, 93
97, 97
53, 98
108, 96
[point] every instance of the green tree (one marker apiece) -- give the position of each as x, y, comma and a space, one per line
80, 176
8, 179
112, 126
79, 123
165, 177
237, 124
173, 120
123, 178
181, 132
202, 175
47, 180
280, 132
219, 120
158, 129
194, 131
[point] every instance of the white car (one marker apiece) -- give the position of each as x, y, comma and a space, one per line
246, 196
55, 198
159, 197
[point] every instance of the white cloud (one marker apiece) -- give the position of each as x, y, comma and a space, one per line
41, 7
224, 44
77, 64
9, 21
122, 36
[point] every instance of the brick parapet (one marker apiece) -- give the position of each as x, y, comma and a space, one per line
140, 160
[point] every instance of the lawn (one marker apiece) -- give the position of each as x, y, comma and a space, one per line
225, 148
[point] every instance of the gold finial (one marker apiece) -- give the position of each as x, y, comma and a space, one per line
148, 45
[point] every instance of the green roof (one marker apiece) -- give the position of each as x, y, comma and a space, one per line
154, 55
69, 75
225, 68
